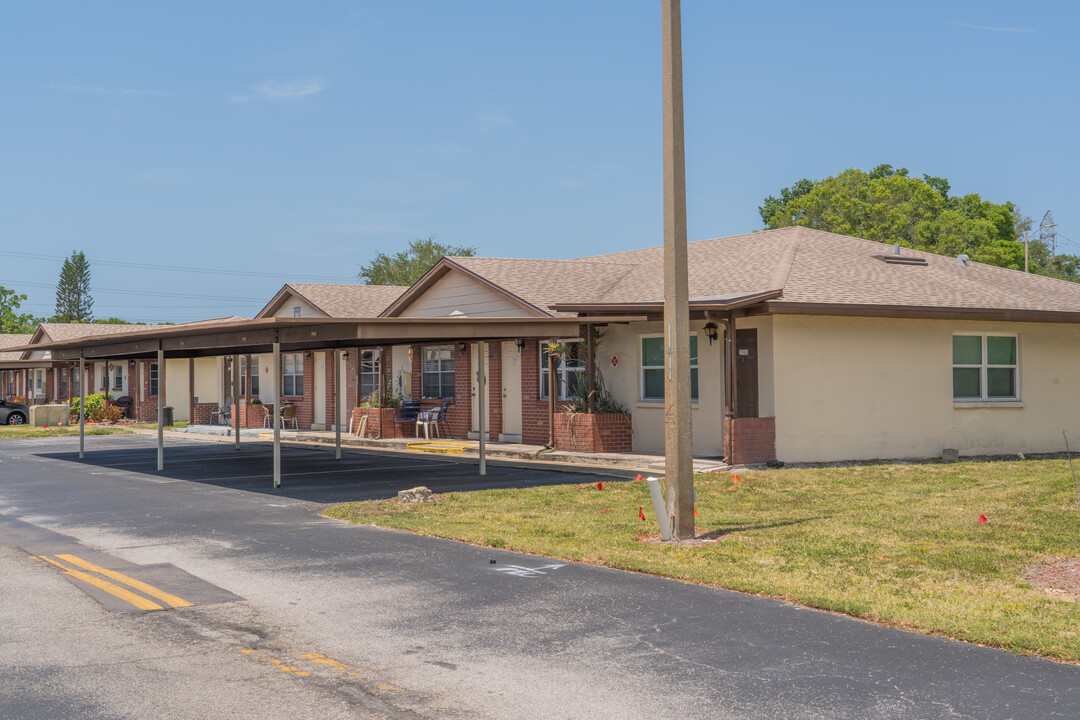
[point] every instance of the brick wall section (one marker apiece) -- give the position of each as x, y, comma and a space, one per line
534, 411
459, 414
750, 440
202, 413
599, 433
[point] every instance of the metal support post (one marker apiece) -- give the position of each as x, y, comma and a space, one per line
276, 379
160, 411
338, 402
82, 408
235, 409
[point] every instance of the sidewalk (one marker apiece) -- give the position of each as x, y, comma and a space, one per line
506, 454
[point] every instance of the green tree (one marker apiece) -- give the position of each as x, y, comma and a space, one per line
11, 321
408, 266
73, 301
888, 206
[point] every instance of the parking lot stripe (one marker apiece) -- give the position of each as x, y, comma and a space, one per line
115, 590
129, 581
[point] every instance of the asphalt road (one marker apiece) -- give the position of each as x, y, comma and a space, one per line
291, 615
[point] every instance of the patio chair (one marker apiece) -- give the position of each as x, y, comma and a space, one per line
268, 417
223, 413
288, 414
431, 419
406, 414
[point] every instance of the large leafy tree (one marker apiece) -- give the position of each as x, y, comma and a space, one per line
407, 266
12, 321
887, 205
74, 303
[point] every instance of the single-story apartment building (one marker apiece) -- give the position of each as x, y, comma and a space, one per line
807, 346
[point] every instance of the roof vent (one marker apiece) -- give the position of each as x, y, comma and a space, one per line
901, 259
962, 259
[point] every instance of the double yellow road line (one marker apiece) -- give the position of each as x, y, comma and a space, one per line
113, 589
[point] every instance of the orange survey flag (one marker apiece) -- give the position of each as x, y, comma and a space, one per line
641, 513
982, 519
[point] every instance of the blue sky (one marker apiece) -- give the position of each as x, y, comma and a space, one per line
293, 141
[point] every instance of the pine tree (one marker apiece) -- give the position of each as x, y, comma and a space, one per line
73, 300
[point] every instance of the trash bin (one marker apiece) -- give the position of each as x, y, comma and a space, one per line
166, 415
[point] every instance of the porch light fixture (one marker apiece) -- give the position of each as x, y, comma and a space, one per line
710, 331
463, 347
520, 342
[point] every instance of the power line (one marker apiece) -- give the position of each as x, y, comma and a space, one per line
173, 268
142, 293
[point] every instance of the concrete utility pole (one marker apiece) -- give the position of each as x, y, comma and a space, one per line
677, 431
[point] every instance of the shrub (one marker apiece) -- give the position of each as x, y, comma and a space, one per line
113, 413
94, 408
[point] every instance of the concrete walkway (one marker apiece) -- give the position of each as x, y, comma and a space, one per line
510, 454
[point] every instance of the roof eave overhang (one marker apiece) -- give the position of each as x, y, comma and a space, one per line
296, 334
698, 308
917, 312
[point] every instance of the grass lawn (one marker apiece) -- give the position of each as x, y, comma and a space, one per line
25, 431
898, 545
153, 425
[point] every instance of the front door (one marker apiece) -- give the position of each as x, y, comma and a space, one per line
511, 393
746, 373
475, 428
320, 390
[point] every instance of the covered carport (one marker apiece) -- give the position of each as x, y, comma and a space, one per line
276, 335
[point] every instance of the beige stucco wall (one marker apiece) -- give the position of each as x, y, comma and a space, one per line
287, 308
457, 292
865, 388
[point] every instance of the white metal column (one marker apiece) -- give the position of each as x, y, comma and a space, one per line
82, 409
160, 412
338, 385
276, 379
235, 409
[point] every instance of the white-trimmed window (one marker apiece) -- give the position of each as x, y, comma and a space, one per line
986, 367
104, 377
296, 311
118, 376
153, 379
63, 379
244, 376
652, 368
292, 375
39, 377
369, 372
569, 371
437, 372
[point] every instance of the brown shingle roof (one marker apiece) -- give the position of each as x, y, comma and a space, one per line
809, 266
13, 340
69, 331
339, 301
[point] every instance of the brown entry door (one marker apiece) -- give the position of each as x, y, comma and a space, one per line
746, 393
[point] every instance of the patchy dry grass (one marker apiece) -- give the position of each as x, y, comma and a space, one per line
25, 431
894, 544
153, 425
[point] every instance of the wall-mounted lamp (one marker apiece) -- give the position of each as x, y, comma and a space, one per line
710, 331
307, 353
520, 342
463, 347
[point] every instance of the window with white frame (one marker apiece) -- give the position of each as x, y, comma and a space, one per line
39, 377
104, 376
296, 311
63, 381
118, 376
652, 368
569, 370
369, 372
985, 367
153, 379
244, 376
292, 375
437, 372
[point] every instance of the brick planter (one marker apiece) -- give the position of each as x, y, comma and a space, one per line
750, 440
380, 421
598, 433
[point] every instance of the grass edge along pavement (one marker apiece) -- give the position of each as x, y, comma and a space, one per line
896, 544
12, 432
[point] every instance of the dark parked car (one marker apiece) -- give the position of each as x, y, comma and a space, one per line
13, 413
